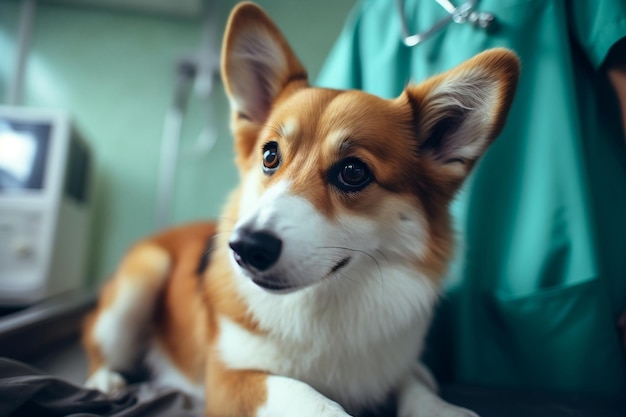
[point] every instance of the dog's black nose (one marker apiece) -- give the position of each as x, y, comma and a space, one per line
259, 250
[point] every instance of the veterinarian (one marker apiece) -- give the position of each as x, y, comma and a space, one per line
536, 294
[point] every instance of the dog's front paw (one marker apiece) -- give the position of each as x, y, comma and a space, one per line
331, 409
306, 407
106, 381
291, 398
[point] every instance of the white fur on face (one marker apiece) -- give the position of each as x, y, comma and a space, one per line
317, 249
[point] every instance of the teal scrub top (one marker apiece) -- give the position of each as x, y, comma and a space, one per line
533, 299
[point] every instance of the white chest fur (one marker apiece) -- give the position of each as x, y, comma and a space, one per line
352, 341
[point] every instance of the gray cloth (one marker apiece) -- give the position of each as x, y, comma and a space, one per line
27, 392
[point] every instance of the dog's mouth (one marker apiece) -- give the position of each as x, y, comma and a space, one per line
274, 283
339, 265
271, 284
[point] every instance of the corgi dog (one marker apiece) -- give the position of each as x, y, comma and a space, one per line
325, 267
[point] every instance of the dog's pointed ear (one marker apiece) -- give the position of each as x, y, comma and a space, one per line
257, 63
459, 113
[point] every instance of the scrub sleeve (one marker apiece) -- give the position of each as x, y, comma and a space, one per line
539, 280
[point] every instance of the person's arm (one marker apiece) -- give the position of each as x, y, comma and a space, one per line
618, 79
615, 65
621, 324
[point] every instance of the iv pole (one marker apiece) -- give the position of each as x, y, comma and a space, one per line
197, 70
16, 86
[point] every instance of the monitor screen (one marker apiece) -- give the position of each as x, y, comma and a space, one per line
24, 149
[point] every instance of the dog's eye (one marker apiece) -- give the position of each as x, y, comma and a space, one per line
351, 174
271, 157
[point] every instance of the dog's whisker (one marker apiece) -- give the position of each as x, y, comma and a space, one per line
369, 255
349, 278
382, 254
220, 234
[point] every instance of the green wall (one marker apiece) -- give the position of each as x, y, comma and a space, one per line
114, 72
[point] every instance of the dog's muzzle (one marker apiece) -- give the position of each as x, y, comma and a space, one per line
256, 252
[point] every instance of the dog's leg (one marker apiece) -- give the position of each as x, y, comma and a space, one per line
289, 397
116, 333
417, 397
236, 393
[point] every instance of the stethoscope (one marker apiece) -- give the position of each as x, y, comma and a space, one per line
464, 13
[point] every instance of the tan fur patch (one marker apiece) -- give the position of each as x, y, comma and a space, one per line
233, 392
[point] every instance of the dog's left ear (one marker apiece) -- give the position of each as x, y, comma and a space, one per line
257, 65
459, 113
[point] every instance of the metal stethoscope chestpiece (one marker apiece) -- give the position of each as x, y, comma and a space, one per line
464, 13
